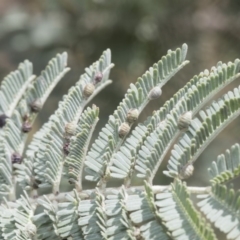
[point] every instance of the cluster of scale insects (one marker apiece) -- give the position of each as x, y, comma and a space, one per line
35, 107
70, 128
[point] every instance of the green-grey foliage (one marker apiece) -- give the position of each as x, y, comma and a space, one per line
60, 151
227, 166
221, 207
176, 205
137, 97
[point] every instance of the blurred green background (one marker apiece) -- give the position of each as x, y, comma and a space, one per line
138, 32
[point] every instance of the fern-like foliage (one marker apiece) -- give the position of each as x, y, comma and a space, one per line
181, 218
16, 220
206, 85
45, 221
9, 148
123, 150
144, 212
147, 148
13, 87
227, 166
221, 207
147, 88
38, 92
50, 146
79, 144
25, 113
215, 118
67, 214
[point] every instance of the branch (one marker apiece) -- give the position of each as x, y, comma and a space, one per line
61, 197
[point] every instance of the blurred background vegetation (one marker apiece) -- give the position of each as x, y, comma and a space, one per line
138, 32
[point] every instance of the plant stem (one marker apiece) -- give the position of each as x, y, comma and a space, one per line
85, 194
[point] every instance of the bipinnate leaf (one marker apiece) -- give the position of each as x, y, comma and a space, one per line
181, 218
14, 86
112, 136
49, 145
148, 144
215, 118
221, 207
227, 166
